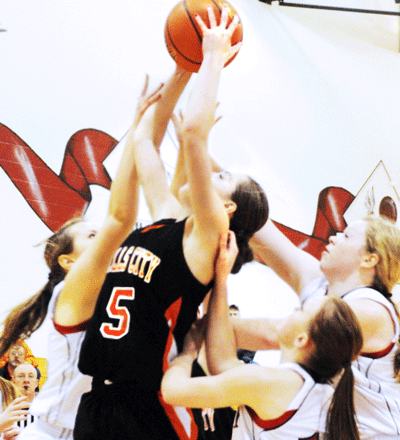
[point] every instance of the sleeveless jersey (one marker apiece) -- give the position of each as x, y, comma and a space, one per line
376, 393
301, 420
145, 308
57, 402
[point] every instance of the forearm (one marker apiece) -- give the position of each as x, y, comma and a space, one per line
220, 337
256, 334
180, 176
177, 375
164, 108
125, 188
293, 265
123, 206
152, 177
200, 110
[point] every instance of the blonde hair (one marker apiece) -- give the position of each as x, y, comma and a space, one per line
382, 238
9, 392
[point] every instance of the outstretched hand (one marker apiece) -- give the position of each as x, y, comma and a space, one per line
217, 38
177, 120
228, 251
145, 101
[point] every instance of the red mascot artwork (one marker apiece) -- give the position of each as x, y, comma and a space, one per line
56, 198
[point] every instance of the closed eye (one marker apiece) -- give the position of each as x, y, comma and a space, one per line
224, 175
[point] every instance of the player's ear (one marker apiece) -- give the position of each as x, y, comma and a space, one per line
66, 261
369, 260
230, 207
302, 340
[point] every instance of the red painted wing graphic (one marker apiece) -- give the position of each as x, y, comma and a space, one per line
57, 198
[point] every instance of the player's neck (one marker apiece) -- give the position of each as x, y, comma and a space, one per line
340, 287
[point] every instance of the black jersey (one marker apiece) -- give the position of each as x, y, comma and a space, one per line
223, 417
145, 308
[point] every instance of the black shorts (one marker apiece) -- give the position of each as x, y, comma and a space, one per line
121, 412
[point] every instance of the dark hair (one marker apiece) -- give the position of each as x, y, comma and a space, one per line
251, 214
337, 339
234, 307
28, 316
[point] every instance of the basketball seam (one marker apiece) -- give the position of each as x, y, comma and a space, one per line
220, 10
193, 23
178, 51
217, 6
174, 50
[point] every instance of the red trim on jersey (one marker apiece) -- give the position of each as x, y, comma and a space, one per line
171, 315
176, 422
149, 228
378, 354
68, 329
272, 423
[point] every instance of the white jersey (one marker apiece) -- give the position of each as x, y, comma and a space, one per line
377, 393
56, 404
301, 420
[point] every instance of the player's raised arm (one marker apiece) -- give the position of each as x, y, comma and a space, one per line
86, 273
220, 337
210, 215
160, 200
295, 266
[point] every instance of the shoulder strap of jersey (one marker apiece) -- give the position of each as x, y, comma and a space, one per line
374, 295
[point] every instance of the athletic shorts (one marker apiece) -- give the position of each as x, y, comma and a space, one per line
122, 412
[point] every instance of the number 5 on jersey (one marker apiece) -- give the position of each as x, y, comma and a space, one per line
116, 311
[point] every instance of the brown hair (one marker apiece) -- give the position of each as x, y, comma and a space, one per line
9, 392
28, 316
337, 339
382, 238
251, 214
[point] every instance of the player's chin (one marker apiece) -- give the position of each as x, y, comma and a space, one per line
323, 261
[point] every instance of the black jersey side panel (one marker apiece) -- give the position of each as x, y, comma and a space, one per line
128, 335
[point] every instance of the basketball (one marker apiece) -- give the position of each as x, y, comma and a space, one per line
183, 36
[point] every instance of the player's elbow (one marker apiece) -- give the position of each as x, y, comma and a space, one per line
169, 393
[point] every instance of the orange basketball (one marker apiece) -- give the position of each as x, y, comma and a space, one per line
183, 36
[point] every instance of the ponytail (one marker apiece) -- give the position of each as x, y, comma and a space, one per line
341, 422
28, 316
245, 254
250, 216
337, 339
